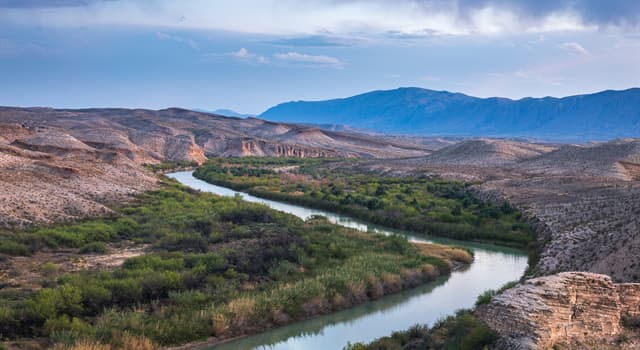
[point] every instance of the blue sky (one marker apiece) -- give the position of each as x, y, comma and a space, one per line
248, 55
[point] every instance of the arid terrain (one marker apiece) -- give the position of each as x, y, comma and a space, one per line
583, 201
58, 165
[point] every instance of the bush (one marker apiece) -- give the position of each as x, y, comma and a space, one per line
183, 242
13, 248
50, 303
485, 297
631, 322
94, 248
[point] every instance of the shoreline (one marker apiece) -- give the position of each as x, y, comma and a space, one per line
212, 341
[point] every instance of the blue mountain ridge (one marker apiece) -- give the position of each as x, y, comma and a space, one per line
603, 115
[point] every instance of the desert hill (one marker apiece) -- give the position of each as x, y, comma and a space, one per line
58, 165
487, 152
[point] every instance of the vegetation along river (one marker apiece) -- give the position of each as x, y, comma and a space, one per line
493, 267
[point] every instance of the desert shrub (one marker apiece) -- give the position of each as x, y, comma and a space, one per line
49, 268
66, 330
285, 271
461, 332
13, 248
187, 298
631, 322
94, 247
49, 303
183, 242
485, 297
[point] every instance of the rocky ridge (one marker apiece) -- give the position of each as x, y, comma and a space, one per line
61, 165
567, 308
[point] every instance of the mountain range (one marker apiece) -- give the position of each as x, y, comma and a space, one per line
603, 115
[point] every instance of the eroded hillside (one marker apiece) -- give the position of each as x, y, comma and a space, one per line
583, 200
60, 165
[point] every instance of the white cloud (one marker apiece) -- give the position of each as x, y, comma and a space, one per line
189, 42
293, 17
302, 58
241, 53
574, 48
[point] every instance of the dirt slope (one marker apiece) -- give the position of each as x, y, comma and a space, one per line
487, 152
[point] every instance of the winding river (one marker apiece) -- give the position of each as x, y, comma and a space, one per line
493, 267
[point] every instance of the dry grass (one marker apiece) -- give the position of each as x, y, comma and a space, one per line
241, 310
338, 301
219, 325
376, 289
127, 342
392, 283
430, 271
447, 253
357, 291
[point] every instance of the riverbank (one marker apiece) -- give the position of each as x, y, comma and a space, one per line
373, 289
423, 205
212, 266
491, 269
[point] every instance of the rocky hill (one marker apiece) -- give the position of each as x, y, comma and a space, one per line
148, 136
618, 158
487, 152
58, 165
603, 115
48, 175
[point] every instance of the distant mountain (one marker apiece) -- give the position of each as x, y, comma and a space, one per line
232, 113
602, 115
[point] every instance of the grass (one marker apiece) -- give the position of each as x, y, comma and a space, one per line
216, 267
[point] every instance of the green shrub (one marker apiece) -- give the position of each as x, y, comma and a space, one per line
485, 297
183, 242
94, 248
461, 332
631, 322
13, 248
49, 303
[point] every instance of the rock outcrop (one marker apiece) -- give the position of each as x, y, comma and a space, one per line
567, 308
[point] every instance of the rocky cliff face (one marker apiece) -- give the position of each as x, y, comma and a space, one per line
147, 136
60, 165
567, 308
47, 175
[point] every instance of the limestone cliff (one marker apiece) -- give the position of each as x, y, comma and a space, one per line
567, 308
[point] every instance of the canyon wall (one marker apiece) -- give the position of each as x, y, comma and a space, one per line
566, 308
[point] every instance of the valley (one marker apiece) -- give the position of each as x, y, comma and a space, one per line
85, 194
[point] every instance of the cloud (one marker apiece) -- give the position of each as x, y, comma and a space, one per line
242, 55
189, 42
310, 60
394, 18
574, 48
319, 40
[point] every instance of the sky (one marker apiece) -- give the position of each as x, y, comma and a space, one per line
248, 55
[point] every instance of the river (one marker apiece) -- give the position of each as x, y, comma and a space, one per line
493, 267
